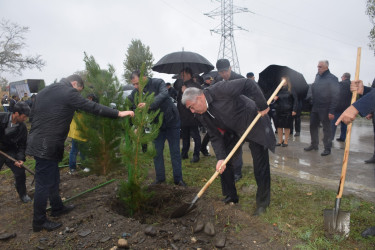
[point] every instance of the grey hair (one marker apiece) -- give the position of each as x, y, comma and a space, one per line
325, 62
346, 75
191, 94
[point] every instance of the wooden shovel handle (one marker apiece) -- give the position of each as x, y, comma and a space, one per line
348, 132
213, 177
12, 159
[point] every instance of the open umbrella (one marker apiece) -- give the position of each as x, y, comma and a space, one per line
271, 76
174, 62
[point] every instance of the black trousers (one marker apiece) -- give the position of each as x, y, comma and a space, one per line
317, 117
19, 173
186, 132
205, 141
261, 172
47, 181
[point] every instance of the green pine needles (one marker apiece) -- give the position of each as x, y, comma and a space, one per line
142, 130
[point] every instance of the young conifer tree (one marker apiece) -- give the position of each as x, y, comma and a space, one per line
103, 135
143, 130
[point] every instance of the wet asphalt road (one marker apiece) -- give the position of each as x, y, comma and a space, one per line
311, 167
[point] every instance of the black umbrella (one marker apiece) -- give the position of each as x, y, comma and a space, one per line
173, 63
271, 76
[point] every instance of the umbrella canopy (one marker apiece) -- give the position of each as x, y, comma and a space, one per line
271, 76
174, 62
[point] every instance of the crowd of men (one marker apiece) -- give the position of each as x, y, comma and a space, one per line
223, 105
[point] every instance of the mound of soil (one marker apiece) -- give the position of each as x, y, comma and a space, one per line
99, 220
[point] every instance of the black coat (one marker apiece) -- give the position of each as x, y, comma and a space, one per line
345, 96
161, 101
287, 101
231, 109
233, 76
325, 92
52, 113
14, 140
187, 118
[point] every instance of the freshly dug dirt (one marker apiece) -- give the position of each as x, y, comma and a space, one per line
99, 220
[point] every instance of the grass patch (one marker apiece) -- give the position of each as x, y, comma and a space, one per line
296, 208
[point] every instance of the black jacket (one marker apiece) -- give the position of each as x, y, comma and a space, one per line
287, 101
52, 113
345, 96
233, 76
187, 118
231, 109
161, 101
13, 140
325, 92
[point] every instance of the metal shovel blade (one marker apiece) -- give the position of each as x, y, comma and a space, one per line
336, 222
182, 210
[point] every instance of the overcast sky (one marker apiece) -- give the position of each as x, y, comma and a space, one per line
290, 32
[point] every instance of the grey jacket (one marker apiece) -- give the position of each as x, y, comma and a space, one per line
325, 92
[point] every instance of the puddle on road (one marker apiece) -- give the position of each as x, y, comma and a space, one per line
280, 167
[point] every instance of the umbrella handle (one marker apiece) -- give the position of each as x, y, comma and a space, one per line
348, 132
252, 124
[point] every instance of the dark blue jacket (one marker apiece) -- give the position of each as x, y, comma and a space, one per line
345, 96
162, 101
366, 104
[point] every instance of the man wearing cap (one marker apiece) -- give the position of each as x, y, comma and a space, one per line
225, 71
250, 75
207, 81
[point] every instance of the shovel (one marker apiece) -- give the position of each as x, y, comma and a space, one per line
12, 159
337, 221
187, 207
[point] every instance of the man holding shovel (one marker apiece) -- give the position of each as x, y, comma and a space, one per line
363, 107
13, 137
226, 110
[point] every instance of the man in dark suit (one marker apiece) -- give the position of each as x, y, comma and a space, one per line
226, 110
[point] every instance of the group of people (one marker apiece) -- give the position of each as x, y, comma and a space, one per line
224, 105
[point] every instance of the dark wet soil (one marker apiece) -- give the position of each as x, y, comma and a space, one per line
99, 220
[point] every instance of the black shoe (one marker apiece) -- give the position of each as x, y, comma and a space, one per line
157, 182
184, 156
339, 139
368, 232
311, 147
229, 199
326, 152
63, 210
371, 160
205, 153
297, 134
195, 159
47, 225
181, 183
25, 198
284, 145
259, 211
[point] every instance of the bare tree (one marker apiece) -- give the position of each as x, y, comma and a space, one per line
12, 43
